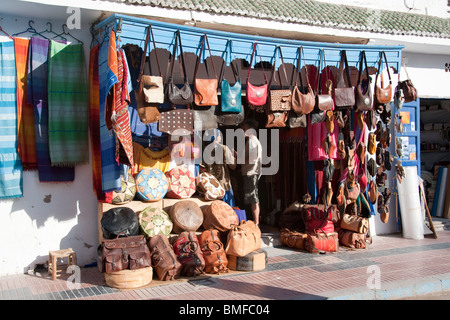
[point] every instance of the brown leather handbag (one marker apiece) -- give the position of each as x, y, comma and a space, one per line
123, 253
324, 99
363, 90
213, 252
409, 91
150, 92
352, 239
344, 93
205, 90
243, 239
219, 215
293, 239
174, 94
322, 242
301, 103
383, 94
355, 223
187, 249
164, 260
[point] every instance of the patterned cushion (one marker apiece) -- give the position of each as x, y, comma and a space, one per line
155, 221
210, 187
151, 184
125, 194
181, 183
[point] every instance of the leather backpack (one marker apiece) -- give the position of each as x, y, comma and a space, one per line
213, 252
164, 260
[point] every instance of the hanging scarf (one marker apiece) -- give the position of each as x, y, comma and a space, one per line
25, 113
37, 94
107, 65
94, 122
67, 105
10, 163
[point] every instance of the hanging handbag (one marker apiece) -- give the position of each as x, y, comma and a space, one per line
302, 104
363, 91
205, 90
324, 100
344, 94
150, 92
174, 94
296, 120
383, 94
177, 122
231, 98
256, 95
407, 87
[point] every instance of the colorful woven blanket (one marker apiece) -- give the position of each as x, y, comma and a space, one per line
68, 105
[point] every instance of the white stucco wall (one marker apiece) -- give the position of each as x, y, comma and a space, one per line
56, 216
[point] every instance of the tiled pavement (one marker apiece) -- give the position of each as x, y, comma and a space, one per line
404, 267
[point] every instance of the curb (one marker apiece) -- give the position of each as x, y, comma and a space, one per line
396, 290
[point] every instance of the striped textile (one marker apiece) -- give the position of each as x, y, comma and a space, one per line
10, 163
94, 122
25, 114
68, 105
37, 94
107, 65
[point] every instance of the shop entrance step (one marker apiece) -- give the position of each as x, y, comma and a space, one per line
270, 236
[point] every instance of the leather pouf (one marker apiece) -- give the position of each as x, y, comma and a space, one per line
209, 187
155, 221
125, 194
129, 279
254, 261
219, 215
151, 184
181, 183
186, 215
121, 220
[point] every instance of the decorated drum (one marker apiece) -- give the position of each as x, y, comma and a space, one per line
181, 183
151, 184
155, 221
209, 187
126, 193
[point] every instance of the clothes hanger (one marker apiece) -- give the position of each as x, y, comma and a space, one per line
31, 30
64, 26
53, 32
1, 29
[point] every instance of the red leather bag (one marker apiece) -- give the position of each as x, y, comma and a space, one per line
317, 219
256, 95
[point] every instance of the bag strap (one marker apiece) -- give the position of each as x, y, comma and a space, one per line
301, 54
144, 55
204, 39
278, 48
363, 60
172, 62
343, 63
236, 74
251, 63
319, 71
383, 55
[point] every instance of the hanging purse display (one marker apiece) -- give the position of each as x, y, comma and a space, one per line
407, 87
324, 101
256, 95
363, 91
279, 103
231, 98
205, 90
301, 104
344, 94
150, 92
296, 120
174, 94
383, 95
177, 122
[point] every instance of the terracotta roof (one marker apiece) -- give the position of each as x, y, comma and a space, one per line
314, 13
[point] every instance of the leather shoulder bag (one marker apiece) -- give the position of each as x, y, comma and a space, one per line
302, 104
256, 95
383, 94
324, 100
409, 91
205, 90
363, 90
174, 94
150, 92
231, 98
344, 94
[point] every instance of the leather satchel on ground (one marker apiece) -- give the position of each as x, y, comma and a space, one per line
256, 95
355, 223
174, 94
344, 94
363, 90
322, 242
123, 253
352, 239
293, 239
383, 94
205, 90
318, 219
243, 239
164, 260
302, 104
187, 249
213, 252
